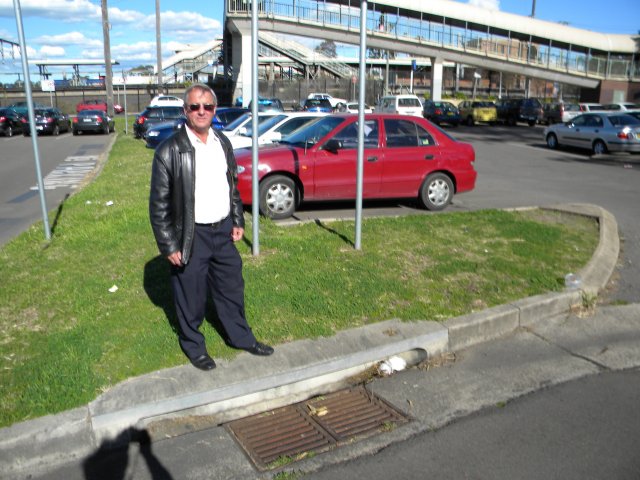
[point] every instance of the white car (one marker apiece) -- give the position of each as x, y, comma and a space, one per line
332, 100
352, 107
273, 129
166, 101
240, 124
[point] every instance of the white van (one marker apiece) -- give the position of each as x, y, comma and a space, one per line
402, 104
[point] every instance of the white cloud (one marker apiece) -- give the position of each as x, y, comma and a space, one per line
51, 51
70, 38
488, 4
65, 10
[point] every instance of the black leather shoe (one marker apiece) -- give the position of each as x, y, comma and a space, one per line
203, 362
260, 349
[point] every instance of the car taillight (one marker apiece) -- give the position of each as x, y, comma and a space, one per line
99, 119
140, 120
438, 111
626, 134
75, 119
2, 119
23, 120
50, 120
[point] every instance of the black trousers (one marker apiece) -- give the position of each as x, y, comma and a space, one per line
215, 267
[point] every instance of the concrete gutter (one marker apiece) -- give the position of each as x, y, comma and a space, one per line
174, 401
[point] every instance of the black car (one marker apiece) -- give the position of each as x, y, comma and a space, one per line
154, 116
527, 110
441, 112
96, 121
48, 120
10, 122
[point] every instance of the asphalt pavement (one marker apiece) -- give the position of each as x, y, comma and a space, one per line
146, 427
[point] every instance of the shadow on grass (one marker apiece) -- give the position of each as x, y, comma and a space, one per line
111, 460
331, 230
157, 285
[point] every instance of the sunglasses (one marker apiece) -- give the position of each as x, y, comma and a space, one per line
194, 107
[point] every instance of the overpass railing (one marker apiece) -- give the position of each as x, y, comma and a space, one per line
474, 40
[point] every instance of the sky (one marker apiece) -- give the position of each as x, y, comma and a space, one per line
72, 29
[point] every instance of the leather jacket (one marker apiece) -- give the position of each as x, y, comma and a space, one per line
172, 195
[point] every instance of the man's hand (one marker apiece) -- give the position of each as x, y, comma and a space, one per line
175, 259
237, 233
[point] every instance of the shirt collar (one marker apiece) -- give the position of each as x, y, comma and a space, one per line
211, 137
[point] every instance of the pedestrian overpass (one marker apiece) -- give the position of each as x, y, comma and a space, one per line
447, 31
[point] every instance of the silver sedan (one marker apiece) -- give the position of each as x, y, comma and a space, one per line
599, 132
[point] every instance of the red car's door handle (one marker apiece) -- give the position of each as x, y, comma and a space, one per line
428, 157
372, 159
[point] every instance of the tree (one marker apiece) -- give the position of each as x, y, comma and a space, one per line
328, 48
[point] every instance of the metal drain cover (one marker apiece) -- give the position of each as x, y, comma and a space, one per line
277, 437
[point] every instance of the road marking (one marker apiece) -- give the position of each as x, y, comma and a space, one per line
70, 173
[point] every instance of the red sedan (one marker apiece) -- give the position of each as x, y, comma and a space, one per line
404, 157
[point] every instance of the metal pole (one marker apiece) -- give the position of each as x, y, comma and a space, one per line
361, 101
124, 86
255, 203
158, 47
107, 58
32, 120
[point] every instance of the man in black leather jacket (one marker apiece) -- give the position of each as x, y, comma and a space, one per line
197, 215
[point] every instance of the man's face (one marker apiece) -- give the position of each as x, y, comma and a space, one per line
199, 119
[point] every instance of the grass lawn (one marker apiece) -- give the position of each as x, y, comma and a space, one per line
64, 337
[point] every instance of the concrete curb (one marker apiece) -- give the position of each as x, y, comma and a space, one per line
296, 371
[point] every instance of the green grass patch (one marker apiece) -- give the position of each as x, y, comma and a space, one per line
64, 338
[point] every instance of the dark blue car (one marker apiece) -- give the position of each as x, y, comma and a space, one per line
156, 134
226, 115
317, 105
442, 112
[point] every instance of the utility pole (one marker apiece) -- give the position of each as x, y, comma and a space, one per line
108, 77
158, 47
533, 9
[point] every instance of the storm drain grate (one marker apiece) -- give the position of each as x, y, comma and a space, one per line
291, 433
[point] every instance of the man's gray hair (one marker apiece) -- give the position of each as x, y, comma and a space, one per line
202, 88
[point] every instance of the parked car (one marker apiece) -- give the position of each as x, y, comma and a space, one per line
98, 105
21, 108
154, 115
472, 112
156, 134
514, 110
10, 122
335, 102
591, 107
226, 115
240, 124
166, 101
401, 104
599, 132
559, 112
268, 105
275, 128
319, 161
441, 112
48, 120
95, 121
317, 105
353, 107
91, 105
621, 106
